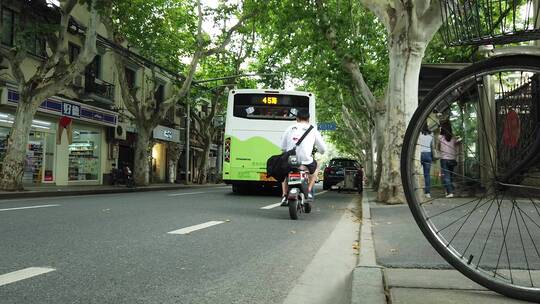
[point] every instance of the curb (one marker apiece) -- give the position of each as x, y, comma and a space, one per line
367, 277
95, 191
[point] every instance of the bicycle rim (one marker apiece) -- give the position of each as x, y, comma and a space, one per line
490, 229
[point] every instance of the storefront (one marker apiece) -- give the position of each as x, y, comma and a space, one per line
160, 165
60, 153
39, 166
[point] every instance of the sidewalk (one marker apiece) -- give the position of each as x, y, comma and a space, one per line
52, 190
397, 264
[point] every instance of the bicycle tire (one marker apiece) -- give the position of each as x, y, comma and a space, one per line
425, 211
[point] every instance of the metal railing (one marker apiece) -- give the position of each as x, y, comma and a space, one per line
480, 22
99, 87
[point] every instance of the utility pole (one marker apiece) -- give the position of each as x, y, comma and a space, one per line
188, 123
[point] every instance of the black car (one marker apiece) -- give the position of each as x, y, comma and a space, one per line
334, 173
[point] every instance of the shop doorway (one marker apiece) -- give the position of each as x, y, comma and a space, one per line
159, 161
39, 161
125, 156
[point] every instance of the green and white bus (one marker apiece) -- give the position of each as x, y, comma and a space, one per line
256, 119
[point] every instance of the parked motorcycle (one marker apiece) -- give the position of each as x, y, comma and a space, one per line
122, 176
128, 174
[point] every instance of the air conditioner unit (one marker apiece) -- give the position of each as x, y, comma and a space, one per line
120, 132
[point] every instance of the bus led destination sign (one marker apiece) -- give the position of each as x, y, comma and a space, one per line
272, 100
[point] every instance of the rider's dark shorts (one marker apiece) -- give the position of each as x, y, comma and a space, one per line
312, 167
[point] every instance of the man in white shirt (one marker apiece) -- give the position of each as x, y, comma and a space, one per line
304, 150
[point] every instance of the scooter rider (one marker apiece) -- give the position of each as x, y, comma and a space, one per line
303, 151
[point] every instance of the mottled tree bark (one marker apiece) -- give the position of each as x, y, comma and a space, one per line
141, 166
401, 100
14, 161
203, 163
173, 155
410, 25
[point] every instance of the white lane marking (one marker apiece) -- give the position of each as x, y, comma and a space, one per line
271, 206
23, 274
322, 192
278, 204
190, 193
30, 207
186, 193
188, 230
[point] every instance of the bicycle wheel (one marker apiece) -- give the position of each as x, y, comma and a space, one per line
489, 227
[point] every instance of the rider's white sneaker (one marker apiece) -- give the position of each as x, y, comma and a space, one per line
284, 201
310, 196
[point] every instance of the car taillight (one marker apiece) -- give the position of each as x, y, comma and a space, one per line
227, 152
327, 170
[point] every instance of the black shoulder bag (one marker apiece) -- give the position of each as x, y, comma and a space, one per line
277, 166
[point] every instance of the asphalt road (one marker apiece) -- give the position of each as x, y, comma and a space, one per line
117, 248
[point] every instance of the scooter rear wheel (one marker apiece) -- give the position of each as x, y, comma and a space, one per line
293, 209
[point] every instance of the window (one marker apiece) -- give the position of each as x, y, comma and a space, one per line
130, 77
159, 94
4, 136
37, 46
96, 66
270, 107
34, 43
8, 26
344, 163
84, 155
74, 51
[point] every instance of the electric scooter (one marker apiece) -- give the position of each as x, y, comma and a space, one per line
297, 180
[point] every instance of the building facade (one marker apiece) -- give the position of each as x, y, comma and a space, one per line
79, 136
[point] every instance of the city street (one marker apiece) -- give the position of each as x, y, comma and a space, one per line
183, 246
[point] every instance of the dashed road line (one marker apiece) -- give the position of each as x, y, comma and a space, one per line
271, 206
191, 193
185, 193
278, 204
322, 192
188, 230
29, 207
23, 274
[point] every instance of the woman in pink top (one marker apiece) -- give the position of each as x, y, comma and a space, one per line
448, 147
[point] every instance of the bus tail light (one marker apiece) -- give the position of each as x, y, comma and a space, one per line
227, 152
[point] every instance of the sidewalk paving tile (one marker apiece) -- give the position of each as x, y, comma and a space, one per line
447, 296
428, 278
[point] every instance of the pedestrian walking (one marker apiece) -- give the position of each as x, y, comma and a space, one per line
426, 157
448, 147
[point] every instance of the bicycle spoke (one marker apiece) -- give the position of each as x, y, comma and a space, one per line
532, 241
523, 245
466, 215
477, 229
489, 232
451, 209
504, 244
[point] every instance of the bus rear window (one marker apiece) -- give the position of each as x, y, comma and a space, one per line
268, 106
